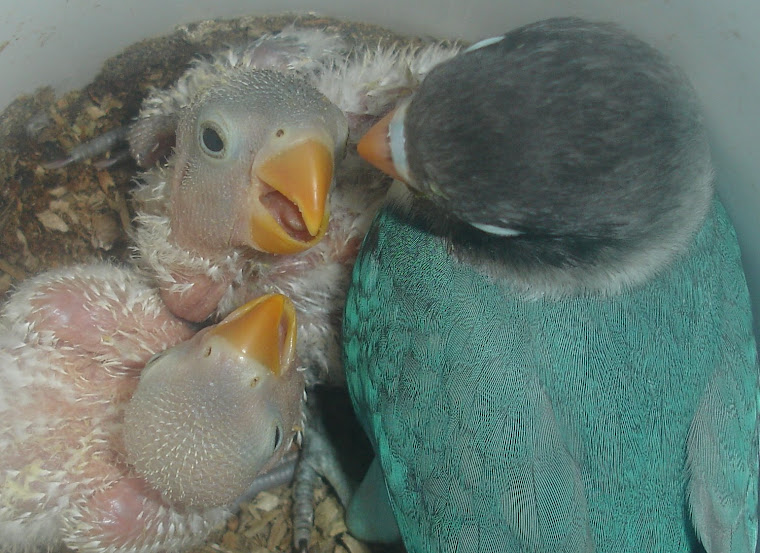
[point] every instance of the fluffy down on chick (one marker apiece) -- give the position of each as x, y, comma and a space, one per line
82, 466
297, 83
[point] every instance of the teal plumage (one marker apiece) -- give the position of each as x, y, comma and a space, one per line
506, 422
548, 336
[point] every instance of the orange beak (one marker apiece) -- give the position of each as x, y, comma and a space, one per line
291, 213
375, 147
264, 330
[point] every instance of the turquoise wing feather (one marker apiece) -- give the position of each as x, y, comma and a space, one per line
723, 501
504, 423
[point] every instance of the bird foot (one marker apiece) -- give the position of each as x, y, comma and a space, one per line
87, 150
278, 475
319, 459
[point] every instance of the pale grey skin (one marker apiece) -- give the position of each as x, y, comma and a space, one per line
73, 345
208, 417
208, 196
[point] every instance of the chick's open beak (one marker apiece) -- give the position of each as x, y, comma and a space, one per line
375, 147
264, 330
291, 214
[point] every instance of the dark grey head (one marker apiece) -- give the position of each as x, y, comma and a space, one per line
576, 136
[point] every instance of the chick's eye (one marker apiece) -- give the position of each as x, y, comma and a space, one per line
277, 437
212, 140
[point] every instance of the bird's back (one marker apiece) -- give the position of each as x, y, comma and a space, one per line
512, 424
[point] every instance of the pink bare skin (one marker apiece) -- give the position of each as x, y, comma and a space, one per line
199, 299
73, 344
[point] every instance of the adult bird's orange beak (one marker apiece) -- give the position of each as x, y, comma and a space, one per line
375, 147
264, 330
290, 214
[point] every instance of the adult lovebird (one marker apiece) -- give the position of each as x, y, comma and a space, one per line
548, 339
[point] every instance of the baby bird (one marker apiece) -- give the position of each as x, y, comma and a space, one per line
85, 466
548, 335
251, 169
190, 236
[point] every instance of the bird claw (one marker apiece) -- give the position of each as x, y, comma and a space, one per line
149, 140
319, 458
114, 158
87, 150
302, 546
305, 479
278, 475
